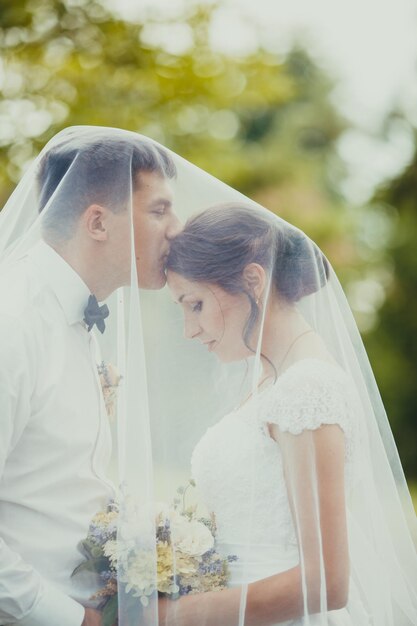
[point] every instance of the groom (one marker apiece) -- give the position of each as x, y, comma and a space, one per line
54, 433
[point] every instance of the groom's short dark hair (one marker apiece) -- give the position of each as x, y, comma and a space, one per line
97, 171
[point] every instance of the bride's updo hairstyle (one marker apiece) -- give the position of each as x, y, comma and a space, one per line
217, 244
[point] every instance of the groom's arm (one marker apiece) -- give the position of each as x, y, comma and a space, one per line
26, 599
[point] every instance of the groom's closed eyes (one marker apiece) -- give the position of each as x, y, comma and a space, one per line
160, 207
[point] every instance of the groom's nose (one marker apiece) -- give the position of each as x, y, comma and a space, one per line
174, 228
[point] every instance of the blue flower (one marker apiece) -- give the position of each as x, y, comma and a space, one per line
108, 575
164, 532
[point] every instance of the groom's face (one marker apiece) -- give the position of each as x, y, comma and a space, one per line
154, 224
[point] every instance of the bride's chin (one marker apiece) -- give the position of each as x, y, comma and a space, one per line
231, 358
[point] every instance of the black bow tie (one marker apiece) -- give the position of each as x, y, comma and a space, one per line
95, 314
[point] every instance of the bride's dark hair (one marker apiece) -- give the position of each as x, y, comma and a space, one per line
217, 244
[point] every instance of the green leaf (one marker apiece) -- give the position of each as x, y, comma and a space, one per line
100, 564
109, 615
90, 549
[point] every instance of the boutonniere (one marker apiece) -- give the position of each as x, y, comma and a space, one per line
110, 380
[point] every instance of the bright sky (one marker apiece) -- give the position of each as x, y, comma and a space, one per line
369, 46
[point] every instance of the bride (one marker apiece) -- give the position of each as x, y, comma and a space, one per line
288, 473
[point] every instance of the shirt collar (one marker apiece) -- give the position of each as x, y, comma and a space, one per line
71, 291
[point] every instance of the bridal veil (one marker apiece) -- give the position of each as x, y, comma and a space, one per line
165, 391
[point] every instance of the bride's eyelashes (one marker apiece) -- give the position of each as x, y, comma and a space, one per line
197, 307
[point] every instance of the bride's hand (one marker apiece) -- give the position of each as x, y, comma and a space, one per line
168, 611
92, 618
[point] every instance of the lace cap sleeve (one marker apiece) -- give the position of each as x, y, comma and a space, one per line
309, 394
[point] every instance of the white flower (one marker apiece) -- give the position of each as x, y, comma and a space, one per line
191, 537
111, 549
139, 573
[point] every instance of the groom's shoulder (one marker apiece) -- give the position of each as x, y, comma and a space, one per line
18, 314
19, 288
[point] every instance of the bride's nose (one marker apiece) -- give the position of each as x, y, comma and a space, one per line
192, 329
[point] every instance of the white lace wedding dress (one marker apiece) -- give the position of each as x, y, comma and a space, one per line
309, 393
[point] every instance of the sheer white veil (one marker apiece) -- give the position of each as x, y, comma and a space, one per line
173, 390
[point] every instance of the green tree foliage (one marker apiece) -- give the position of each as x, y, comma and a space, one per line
261, 123
392, 344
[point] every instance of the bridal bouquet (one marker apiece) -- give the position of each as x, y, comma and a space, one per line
186, 558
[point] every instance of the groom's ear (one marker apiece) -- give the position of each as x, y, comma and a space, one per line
254, 279
94, 218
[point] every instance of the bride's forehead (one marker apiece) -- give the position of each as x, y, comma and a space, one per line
178, 283
182, 287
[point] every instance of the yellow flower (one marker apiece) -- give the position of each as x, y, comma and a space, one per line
165, 568
185, 564
105, 518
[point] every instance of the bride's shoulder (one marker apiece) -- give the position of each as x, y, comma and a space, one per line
319, 371
311, 392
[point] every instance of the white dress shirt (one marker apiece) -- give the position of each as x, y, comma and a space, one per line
55, 441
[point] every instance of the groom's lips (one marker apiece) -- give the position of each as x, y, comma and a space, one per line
164, 260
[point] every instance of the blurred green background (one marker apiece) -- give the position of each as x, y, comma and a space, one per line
263, 121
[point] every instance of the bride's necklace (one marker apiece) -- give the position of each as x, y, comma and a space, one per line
263, 381
310, 330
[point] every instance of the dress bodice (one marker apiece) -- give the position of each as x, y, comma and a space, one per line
238, 471
238, 467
